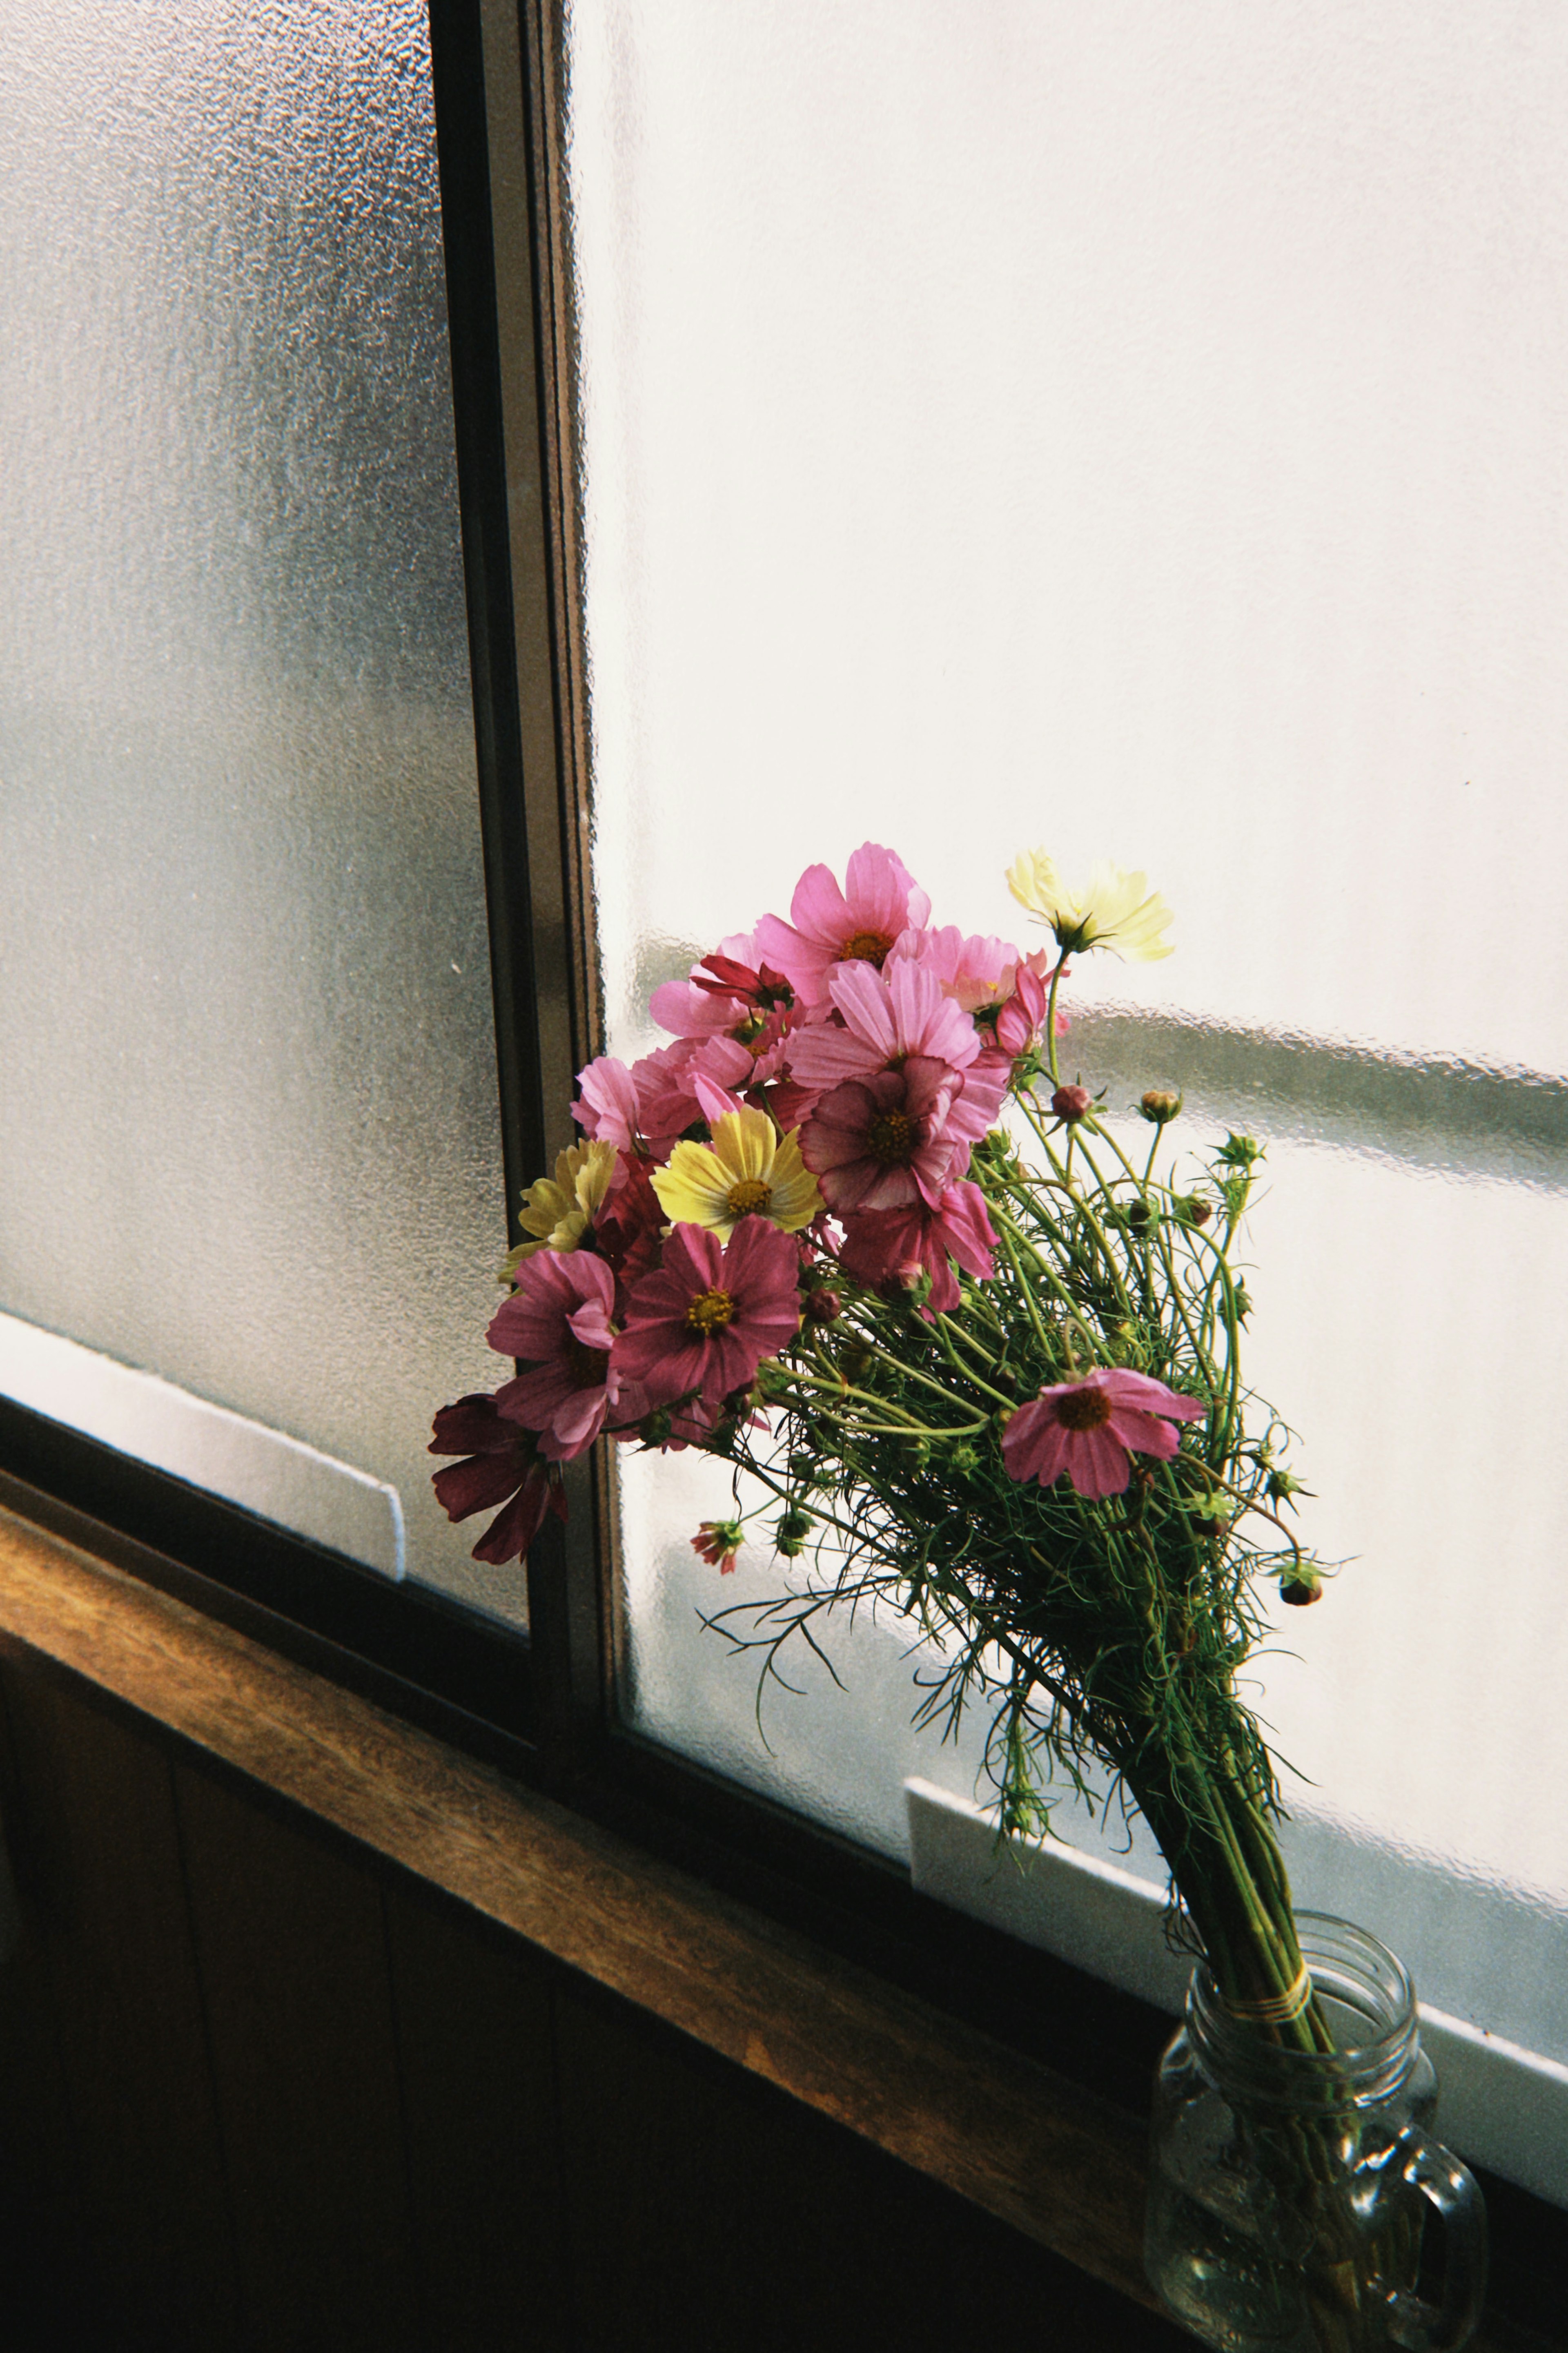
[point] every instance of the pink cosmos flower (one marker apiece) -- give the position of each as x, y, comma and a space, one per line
1021, 1021
691, 1083
504, 1462
877, 1142
705, 1321
973, 972
879, 1244
886, 1016
1087, 1428
733, 993
606, 1102
880, 905
557, 1320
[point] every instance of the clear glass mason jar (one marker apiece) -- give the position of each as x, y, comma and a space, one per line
1288, 2190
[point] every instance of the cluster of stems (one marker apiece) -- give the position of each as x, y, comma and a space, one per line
1110, 1629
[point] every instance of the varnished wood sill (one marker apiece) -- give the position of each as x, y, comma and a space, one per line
1039, 2153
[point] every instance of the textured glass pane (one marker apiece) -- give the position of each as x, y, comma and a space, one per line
247, 1094
1140, 431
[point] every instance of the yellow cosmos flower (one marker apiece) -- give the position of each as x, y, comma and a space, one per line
748, 1171
557, 1211
1112, 909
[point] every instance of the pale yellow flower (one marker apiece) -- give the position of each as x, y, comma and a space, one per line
1112, 909
748, 1171
558, 1209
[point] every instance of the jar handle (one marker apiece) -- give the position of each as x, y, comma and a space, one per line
1450, 2188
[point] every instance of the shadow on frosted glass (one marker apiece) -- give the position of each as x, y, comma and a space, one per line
246, 1064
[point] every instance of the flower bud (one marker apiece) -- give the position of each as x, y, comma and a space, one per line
790, 1533
654, 1427
1070, 1103
1280, 1485
1302, 1587
823, 1304
1196, 1210
1159, 1106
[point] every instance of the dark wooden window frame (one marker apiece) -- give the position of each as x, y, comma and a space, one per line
496, 1767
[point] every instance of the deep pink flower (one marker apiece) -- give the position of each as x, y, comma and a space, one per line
1085, 1429
503, 1462
705, 1321
864, 923
879, 1244
880, 1143
557, 1321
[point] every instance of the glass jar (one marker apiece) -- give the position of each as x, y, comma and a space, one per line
1288, 2189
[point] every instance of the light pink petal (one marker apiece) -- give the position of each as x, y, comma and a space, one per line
882, 892
1144, 1432
824, 1055
591, 1322
693, 1012
607, 1102
862, 995
925, 1021
714, 1102
574, 1428
819, 910
1034, 1444
1150, 1396
1097, 1462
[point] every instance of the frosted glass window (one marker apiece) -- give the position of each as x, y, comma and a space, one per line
248, 1124
1140, 431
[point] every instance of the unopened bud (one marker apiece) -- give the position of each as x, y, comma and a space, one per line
823, 1305
654, 1427
1300, 1588
1280, 1485
1196, 1211
790, 1535
1159, 1106
1071, 1103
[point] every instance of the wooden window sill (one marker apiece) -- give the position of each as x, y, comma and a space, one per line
1037, 2152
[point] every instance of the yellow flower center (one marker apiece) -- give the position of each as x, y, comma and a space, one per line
1090, 1407
749, 1195
865, 947
709, 1312
891, 1137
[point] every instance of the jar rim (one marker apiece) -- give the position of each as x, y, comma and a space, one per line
1362, 1979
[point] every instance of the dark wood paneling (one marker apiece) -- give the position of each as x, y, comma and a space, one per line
708, 2210
475, 2032
97, 1829
293, 1949
1032, 2149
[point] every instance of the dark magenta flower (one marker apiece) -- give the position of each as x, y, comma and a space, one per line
504, 1461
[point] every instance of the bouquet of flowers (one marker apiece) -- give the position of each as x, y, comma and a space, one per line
851, 1230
